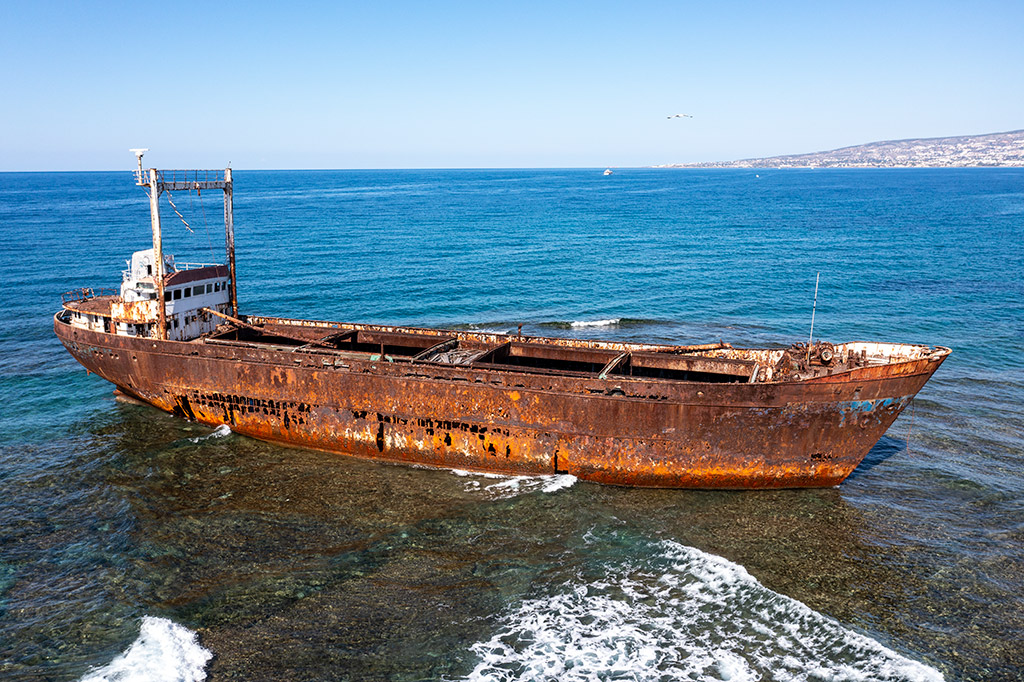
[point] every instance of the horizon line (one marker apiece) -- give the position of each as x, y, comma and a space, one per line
659, 167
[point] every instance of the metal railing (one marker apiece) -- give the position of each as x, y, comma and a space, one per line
186, 177
190, 176
194, 266
85, 293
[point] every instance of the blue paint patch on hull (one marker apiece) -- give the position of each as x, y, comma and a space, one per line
861, 408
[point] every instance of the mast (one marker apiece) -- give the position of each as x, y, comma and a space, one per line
229, 237
157, 181
158, 253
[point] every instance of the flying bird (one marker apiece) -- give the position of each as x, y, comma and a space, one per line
680, 116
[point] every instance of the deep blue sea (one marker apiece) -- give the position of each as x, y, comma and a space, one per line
136, 546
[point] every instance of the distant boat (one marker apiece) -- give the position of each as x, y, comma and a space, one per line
607, 171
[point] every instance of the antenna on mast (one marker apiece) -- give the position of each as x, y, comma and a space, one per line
138, 155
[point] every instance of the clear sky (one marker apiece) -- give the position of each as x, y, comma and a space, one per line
438, 84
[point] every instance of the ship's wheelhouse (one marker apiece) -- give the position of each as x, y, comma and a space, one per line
191, 290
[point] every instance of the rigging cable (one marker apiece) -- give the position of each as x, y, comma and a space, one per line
206, 225
188, 227
171, 202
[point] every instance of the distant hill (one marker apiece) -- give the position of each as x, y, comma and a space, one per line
994, 149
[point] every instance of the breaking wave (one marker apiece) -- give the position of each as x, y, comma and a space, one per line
219, 432
163, 652
505, 486
530, 328
610, 322
683, 615
595, 323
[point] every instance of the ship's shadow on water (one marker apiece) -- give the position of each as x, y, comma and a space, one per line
885, 448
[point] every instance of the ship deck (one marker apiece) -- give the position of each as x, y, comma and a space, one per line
713, 363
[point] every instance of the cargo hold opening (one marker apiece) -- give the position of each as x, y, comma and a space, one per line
526, 356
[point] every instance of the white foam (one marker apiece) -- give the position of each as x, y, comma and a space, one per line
510, 486
219, 432
163, 652
595, 323
683, 615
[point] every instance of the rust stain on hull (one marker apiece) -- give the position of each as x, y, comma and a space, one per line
611, 429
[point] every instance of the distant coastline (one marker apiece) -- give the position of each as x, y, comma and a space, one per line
991, 150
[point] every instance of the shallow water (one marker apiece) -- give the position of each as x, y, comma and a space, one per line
290, 564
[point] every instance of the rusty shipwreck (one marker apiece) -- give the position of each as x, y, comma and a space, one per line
631, 414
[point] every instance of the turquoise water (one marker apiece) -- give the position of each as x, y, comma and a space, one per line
285, 564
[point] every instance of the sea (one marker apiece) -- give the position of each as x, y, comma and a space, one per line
138, 546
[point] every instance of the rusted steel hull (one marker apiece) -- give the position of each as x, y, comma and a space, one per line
618, 431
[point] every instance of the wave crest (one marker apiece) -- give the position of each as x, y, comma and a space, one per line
219, 432
163, 652
505, 486
685, 615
